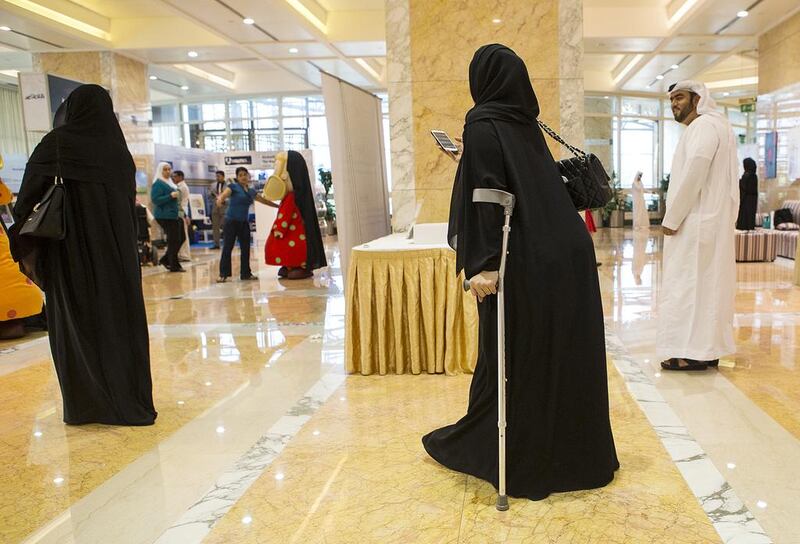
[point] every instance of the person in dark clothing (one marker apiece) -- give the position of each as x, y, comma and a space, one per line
748, 196
558, 435
240, 197
92, 279
166, 198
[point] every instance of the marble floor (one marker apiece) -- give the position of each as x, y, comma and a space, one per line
262, 438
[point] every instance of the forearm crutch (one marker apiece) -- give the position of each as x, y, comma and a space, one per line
506, 200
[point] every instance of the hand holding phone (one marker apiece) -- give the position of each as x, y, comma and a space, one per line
446, 144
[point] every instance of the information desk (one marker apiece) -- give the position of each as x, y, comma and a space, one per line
406, 310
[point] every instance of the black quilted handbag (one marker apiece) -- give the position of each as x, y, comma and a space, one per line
584, 176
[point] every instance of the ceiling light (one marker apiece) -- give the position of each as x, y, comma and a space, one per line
293, 50
193, 54
184, 87
633, 62
659, 77
38, 434
61, 18
247, 520
674, 66
279, 476
153, 78
220, 429
731, 466
761, 504
742, 14
248, 21
5, 28
208, 76
726, 94
309, 15
497, 21
181, 403
60, 480
681, 11
365, 65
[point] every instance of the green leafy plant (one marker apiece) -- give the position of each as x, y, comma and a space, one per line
618, 198
326, 180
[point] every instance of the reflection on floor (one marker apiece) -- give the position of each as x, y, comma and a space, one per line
261, 438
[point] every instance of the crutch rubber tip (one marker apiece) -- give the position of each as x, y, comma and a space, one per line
502, 503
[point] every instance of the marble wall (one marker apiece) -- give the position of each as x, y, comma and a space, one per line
430, 46
128, 82
778, 57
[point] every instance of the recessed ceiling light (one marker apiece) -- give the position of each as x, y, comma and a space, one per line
248, 21
761, 504
606, 97
247, 520
497, 21
659, 77
184, 87
220, 429
38, 434
293, 50
153, 78
726, 94
5, 28
193, 54
742, 14
731, 466
279, 476
58, 481
675, 66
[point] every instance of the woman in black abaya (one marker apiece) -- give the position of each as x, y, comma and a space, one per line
92, 279
304, 198
748, 196
559, 435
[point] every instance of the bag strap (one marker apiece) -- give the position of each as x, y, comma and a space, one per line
554, 135
58, 180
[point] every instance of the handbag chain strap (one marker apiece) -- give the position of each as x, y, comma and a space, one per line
59, 180
554, 135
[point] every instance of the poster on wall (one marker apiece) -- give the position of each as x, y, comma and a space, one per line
196, 164
771, 155
35, 102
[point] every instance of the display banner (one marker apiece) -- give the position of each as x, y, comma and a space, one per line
358, 169
35, 102
196, 164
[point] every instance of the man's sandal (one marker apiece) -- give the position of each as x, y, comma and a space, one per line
683, 364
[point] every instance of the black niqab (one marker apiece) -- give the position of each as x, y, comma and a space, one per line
93, 286
559, 435
748, 196
304, 198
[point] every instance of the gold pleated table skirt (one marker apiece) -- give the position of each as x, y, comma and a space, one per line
407, 313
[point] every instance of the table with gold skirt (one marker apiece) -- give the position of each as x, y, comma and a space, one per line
406, 311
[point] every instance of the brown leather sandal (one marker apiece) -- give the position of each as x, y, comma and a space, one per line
677, 363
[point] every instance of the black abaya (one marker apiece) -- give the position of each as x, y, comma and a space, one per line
748, 198
96, 314
304, 198
559, 435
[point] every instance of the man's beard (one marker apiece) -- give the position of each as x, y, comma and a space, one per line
681, 114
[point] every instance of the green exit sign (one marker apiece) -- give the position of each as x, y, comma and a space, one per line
747, 108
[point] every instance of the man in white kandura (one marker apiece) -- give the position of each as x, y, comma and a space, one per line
696, 302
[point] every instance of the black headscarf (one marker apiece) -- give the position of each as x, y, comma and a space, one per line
87, 143
501, 87
304, 198
749, 165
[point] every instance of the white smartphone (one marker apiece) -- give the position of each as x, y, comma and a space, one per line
445, 142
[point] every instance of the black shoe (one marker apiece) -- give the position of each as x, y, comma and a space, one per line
177, 269
713, 364
283, 272
251, 277
683, 364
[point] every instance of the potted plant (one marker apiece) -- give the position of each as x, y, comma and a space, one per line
614, 211
330, 206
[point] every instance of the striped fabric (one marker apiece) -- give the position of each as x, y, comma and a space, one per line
756, 245
787, 240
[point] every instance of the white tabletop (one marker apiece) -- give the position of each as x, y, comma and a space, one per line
397, 242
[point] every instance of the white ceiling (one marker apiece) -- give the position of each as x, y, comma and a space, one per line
284, 50
709, 42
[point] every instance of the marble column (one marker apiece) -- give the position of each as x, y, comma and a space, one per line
429, 48
126, 79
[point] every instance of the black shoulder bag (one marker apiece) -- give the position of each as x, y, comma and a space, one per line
584, 176
47, 220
